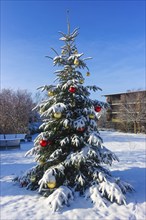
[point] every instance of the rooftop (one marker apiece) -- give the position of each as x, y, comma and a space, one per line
128, 91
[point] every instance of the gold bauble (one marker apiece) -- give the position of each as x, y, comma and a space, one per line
42, 161
33, 178
88, 73
81, 81
57, 115
91, 116
50, 93
41, 110
51, 185
63, 51
76, 62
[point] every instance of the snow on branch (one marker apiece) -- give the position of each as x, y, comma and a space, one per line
87, 58
59, 60
50, 174
75, 140
33, 151
25, 176
59, 71
88, 111
64, 141
59, 197
113, 191
56, 154
66, 122
69, 37
59, 107
93, 123
78, 157
42, 135
72, 82
80, 179
46, 87
95, 139
72, 57
102, 154
95, 196
82, 156
107, 156
101, 177
80, 122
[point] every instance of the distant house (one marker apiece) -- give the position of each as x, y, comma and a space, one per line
127, 111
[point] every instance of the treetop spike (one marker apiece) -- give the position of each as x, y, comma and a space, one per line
68, 23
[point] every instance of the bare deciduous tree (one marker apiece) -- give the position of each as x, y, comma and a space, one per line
133, 110
15, 110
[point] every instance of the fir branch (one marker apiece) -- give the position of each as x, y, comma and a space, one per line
60, 32
54, 51
49, 57
94, 88
75, 32
88, 58
46, 87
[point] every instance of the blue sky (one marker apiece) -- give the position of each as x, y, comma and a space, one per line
112, 32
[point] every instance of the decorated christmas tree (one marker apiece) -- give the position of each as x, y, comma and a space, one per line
69, 151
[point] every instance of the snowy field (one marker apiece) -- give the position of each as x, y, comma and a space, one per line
18, 203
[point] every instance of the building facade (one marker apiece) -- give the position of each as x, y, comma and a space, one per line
127, 111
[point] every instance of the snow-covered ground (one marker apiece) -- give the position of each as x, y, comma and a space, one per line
19, 203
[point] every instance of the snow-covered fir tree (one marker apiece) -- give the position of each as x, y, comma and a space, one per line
69, 151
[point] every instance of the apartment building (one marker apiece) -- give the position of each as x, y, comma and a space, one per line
127, 111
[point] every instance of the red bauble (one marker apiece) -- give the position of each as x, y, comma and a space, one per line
72, 89
23, 184
81, 129
43, 143
97, 108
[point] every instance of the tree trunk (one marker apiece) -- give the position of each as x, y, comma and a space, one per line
139, 127
135, 127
